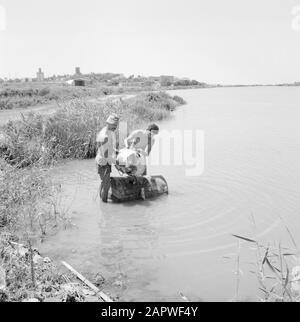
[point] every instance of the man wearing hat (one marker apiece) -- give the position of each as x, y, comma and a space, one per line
106, 154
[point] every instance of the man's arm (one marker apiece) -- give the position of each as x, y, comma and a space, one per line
102, 142
149, 146
148, 149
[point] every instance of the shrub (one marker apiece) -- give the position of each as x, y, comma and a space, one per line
44, 91
179, 100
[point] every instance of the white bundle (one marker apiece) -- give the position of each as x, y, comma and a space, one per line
131, 161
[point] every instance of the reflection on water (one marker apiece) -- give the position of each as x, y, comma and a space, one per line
155, 249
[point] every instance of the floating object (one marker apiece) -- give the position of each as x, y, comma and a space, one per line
129, 188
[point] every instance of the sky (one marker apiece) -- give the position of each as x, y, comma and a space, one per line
215, 41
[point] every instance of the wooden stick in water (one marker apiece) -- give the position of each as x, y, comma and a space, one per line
104, 297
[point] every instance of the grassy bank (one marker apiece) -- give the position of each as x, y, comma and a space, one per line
23, 96
28, 199
71, 131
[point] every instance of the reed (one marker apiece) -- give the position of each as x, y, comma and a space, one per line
277, 269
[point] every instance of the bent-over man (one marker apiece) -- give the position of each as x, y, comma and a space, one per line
142, 140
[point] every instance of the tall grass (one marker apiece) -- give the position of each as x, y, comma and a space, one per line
28, 212
26, 201
25, 96
71, 131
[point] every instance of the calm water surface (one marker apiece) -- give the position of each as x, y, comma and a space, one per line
182, 242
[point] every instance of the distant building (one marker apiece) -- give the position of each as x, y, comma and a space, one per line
79, 82
40, 76
77, 71
26, 80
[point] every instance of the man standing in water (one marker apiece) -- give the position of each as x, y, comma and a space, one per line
106, 153
142, 140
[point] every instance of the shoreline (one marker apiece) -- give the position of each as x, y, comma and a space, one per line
50, 108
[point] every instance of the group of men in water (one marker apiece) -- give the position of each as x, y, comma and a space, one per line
141, 141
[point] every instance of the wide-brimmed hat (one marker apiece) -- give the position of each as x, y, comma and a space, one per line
113, 119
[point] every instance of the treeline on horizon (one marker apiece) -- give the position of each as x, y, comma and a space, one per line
113, 79
26, 93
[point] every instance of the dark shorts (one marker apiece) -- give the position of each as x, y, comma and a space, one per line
104, 171
145, 172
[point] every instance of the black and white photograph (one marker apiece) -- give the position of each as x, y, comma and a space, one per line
149, 153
